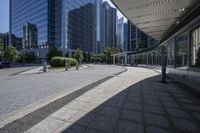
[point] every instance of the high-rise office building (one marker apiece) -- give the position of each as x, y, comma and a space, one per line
30, 36
101, 26
4, 37
110, 25
132, 36
137, 39
65, 24
38, 12
106, 26
120, 33
126, 36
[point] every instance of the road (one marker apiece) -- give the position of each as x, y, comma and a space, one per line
18, 92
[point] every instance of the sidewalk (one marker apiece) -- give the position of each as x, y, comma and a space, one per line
132, 102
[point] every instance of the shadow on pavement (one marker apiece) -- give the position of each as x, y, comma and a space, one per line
147, 106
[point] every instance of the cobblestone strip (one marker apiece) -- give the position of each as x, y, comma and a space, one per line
28, 121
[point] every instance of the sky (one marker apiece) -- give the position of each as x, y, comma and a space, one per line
4, 15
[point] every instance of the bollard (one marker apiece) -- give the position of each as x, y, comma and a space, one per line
77, 66
44, 66
66, 65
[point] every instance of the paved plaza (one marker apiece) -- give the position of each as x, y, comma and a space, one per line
132, 102
20, 94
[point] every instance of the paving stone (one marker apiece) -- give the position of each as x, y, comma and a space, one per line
90, 107
63, 127
153, 97
129, 127
16, 127
194, 108
64, 113
77, 116
177, 113
152, 102
17, 95
132, 116
167, 99
75, 129
133, 100
156, 120
185, 125
48, 125
115, 103
133, 106
197, 115
31, 119
85, 98
171, 104
185, 100
153, 109
111, 111
152, 129
93, 131
104, 123
86, 119
76, 104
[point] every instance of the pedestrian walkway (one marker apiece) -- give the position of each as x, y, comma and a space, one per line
132, 102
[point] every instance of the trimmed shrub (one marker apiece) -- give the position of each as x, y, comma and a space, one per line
60, 61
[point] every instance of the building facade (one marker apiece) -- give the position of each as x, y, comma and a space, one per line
64, 24
137, 39
120, 34
110, 25
30, 36
4, 37
126, 36
41, 13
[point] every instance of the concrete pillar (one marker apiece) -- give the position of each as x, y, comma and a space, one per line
125, 59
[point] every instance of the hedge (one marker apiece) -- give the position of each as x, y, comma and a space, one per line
60, 61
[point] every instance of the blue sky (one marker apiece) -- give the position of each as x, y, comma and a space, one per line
4, 15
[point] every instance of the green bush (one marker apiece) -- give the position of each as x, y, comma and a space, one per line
60, 61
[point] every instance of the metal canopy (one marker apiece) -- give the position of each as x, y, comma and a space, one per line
156, 17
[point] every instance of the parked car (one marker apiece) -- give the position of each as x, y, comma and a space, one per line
4, 64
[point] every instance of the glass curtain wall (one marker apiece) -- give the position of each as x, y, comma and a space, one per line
182, 50
171, 53
195, 48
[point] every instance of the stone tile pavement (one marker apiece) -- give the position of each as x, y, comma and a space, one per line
132, 102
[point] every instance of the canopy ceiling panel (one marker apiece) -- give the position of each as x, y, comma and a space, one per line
156, 17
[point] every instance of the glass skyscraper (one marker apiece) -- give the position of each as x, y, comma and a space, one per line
38, 12
66, 24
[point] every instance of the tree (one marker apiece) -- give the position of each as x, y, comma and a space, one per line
10, 53
198, 58
52, 53
97, 58
78, 55
1, 49
108, 52
27, 57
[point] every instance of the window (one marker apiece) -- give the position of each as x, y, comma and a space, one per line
170, 52
195, 47
182, 50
